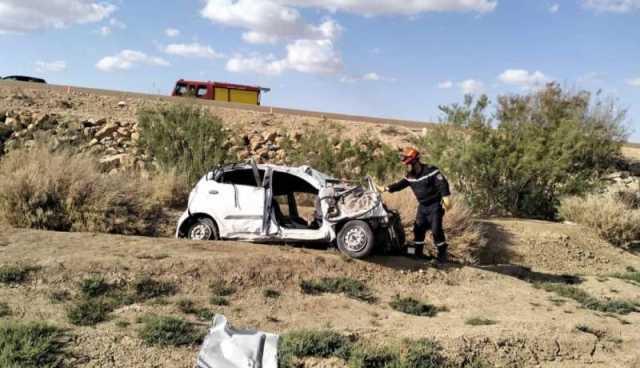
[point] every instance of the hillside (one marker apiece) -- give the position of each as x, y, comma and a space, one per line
532, 327
539, 294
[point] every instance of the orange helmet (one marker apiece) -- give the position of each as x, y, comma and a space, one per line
409, 155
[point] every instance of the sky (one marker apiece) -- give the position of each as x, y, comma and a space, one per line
387, 58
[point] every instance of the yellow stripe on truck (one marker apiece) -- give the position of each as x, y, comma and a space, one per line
247, 97
221, 94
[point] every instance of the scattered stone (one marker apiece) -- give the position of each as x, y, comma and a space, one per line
106, 131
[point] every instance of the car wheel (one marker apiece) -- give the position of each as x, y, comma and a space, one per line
356, 239
202, 229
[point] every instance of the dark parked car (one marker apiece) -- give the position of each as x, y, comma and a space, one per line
24, 78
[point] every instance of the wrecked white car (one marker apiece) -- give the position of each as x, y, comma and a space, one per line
260, 203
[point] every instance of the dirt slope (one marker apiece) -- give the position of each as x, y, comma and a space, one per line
533, 328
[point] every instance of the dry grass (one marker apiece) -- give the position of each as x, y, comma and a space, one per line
67, 192
464, 235
170, 189
612, 218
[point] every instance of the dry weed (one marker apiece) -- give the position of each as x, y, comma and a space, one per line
464, 235
67, 192
608, 214
170, 189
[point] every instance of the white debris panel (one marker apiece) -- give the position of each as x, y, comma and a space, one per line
226, 347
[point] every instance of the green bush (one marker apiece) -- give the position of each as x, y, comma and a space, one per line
354, 289
423, 353
365, 355
477, 321
89, 312
218, 300
415, 307
31, 345
169, 331
183, 138
221, 288
544, 145
270, 293
348, 159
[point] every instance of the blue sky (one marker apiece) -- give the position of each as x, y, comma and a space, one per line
387, 58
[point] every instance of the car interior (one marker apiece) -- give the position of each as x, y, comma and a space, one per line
289, 191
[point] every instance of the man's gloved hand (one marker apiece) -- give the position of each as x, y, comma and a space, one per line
380, 188
446, 203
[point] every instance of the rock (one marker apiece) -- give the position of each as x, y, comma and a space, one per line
135, 136
122, 104
270, 137
113, 162
106, 131
93, 142
124, 132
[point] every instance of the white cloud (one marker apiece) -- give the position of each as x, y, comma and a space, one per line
592, 77
105, 31
305, 56
635, 82
445, 84
523, 78
372, 76
172, 32
194, 50
554, 8
266, 21
52, 66
395, 7
127, 59
612, 6
471, 86
30, 15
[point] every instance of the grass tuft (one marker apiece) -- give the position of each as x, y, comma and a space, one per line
4, 310
219, 300
415, 307
339, 285
221, 288
148, 288
15, 274
188, 307
94, 286
588, 301
270, 293
480, 322
169, 331
89, 312
59, 296
586, 329
311, 343
31, 345
632, 276
372, 356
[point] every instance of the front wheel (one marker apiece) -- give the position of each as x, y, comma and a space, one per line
202, 229
356, 239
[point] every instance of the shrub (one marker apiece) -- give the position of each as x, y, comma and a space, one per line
544, 145
365, 355
147, 288
423, 353
218, 300
348, 159
221, 288
588, 301
188, 307
89, 312
352, 288
311, 343
415, 307
4, 310
586, 329
94, 286
270, 293
611, 218
170, 189
169, 331
31, 345
59, 296
15, 274
66, 192
476, 321
183, 138
632, 276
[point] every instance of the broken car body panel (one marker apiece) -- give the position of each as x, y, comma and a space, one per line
244, 201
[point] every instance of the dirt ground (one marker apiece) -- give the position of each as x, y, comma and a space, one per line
632, 152
533, 329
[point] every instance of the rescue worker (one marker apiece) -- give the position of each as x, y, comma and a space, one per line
431, 189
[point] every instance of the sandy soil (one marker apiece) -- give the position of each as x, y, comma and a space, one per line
533, 329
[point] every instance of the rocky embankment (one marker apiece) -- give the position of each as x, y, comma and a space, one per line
106, 125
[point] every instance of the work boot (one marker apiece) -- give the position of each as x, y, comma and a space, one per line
415, 249
442, 253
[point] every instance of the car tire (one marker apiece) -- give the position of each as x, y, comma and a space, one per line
356, 239
202, 229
